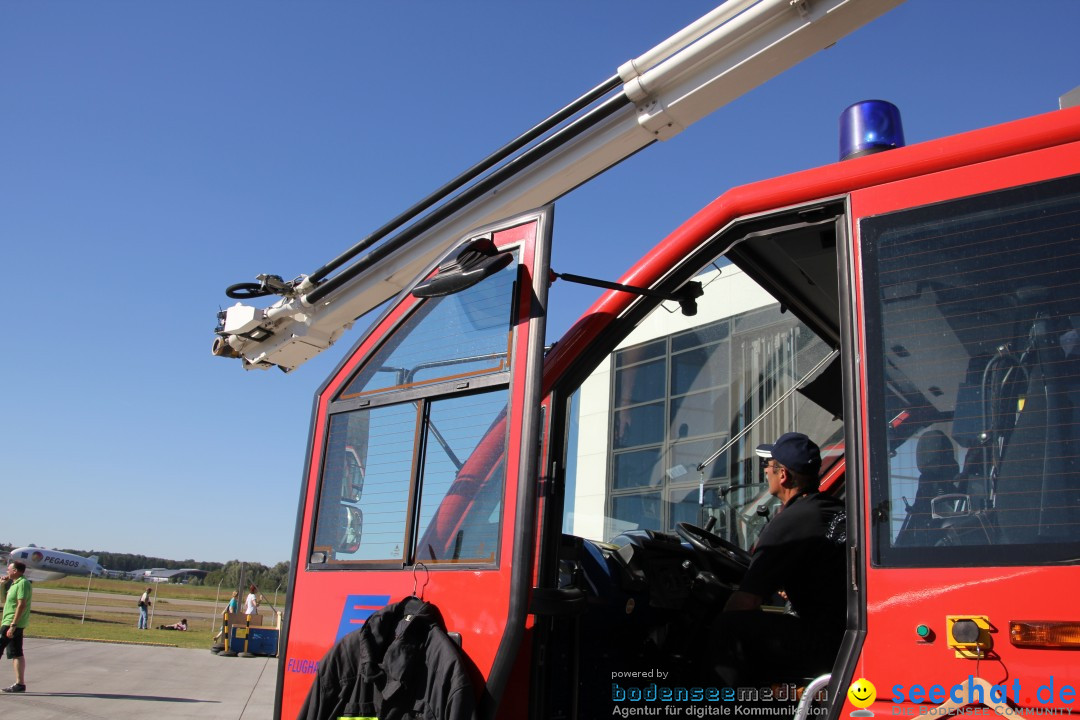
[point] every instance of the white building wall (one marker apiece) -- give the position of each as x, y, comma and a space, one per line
728, 292
594, 427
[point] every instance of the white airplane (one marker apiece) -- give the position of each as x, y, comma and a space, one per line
43, 564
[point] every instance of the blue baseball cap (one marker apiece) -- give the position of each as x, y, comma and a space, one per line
794, 451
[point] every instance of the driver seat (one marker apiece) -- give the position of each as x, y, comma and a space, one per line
935, 457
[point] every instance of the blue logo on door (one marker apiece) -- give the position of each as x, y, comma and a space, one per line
358, 608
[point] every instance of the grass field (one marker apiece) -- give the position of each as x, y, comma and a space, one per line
112, 614
111, 628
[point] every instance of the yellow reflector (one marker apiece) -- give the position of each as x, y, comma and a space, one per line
1045, 633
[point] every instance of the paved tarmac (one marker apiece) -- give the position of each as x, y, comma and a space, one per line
106, 681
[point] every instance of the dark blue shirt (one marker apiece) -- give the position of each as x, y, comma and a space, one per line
801, 551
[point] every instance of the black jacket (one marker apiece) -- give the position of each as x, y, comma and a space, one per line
400, 664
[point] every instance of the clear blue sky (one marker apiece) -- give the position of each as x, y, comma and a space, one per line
153, 153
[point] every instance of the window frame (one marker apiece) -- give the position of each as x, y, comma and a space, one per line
422, 394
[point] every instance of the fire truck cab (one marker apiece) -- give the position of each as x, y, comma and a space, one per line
914, 311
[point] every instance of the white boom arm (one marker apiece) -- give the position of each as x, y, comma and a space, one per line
735, 48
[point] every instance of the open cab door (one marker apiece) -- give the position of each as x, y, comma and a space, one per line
423, 452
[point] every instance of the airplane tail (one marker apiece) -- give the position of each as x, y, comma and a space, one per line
93, 558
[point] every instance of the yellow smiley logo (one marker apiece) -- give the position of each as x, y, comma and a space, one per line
862, 693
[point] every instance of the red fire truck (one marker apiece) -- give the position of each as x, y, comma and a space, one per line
579, 512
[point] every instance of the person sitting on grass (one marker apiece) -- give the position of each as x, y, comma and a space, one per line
182, 625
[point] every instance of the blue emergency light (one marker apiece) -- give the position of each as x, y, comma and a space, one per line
869, 126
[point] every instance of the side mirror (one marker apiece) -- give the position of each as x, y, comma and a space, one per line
478, 259
351, 531
352, 481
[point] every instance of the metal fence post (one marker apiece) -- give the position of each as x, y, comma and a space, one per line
86, 599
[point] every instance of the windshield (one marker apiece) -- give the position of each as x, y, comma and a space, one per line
649, 427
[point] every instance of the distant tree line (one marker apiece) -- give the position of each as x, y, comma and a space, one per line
127, 562
236, 574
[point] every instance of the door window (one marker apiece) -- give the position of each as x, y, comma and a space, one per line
415, 453
974, 364
376, 445
462, 481
448, 338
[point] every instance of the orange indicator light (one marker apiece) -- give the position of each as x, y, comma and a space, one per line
1045, 633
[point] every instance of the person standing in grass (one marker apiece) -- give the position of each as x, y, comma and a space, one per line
17, 591
234, 602
251, 602
234, 605
144, 607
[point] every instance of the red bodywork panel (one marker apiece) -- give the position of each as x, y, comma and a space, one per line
899, 600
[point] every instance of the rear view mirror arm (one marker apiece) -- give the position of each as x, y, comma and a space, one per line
686, 296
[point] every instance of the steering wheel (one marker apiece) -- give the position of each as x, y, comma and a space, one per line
723, 552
